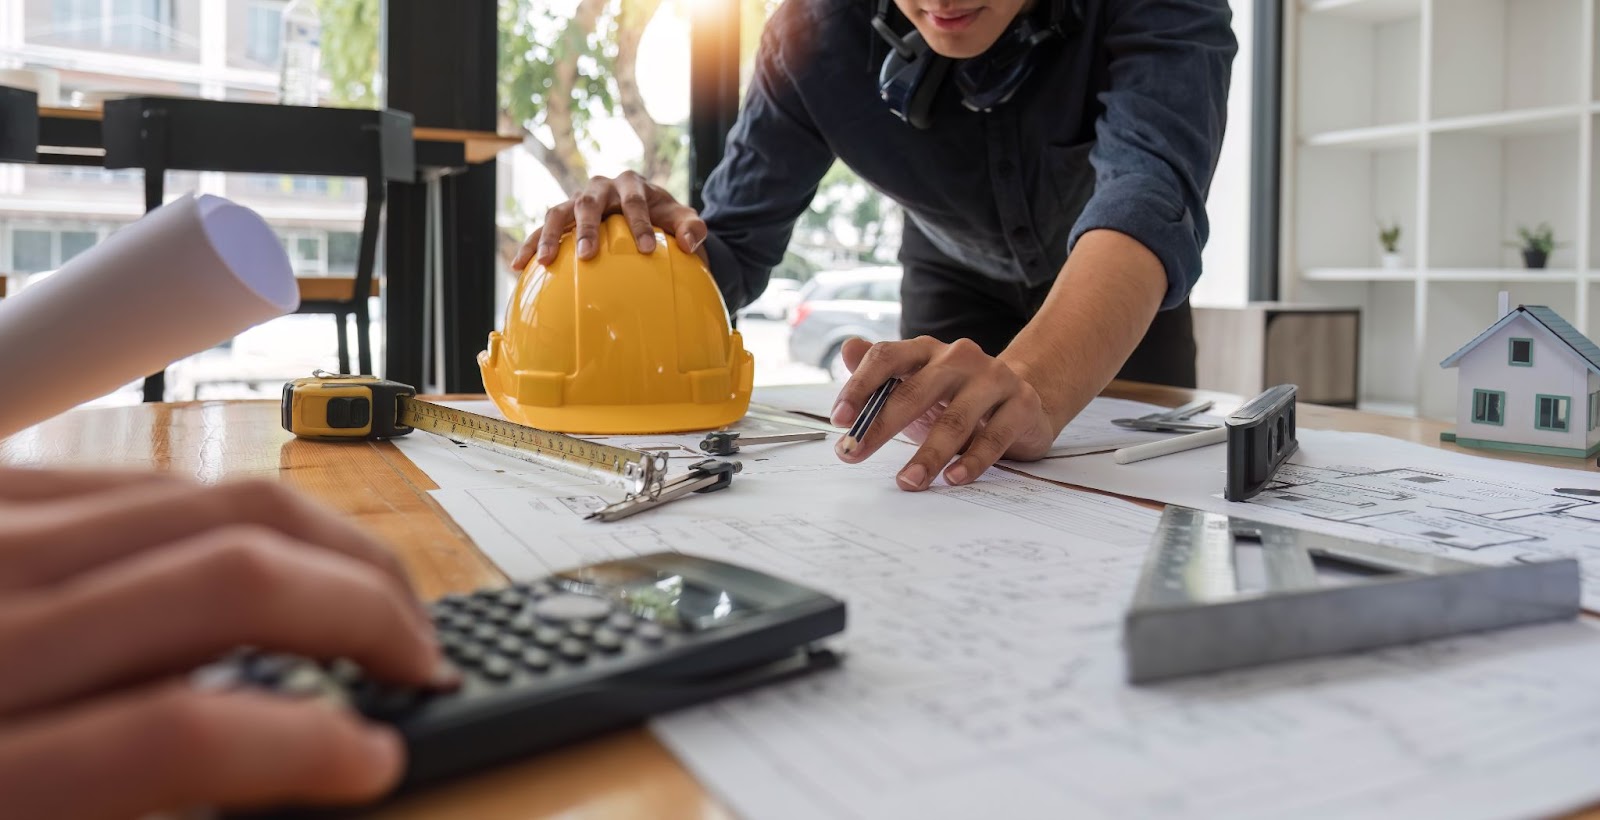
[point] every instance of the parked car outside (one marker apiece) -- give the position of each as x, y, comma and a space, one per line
776, 301
836, 305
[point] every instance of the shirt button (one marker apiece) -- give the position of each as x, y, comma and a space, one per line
1019, 233
1004, 168
1032, 261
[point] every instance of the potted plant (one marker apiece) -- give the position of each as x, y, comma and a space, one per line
1389, 238
1535, 244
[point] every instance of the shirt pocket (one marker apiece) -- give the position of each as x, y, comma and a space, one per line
1067, 182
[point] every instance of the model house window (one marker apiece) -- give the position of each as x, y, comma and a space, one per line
1488, 407
1522, 352
1594, 410
1551, 413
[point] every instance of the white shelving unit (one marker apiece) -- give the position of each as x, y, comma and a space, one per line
1461, 120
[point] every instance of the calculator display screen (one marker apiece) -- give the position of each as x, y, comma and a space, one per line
669, 598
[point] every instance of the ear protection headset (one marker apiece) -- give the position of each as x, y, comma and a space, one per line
912, 73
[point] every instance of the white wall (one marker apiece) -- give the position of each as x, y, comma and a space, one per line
1225, 262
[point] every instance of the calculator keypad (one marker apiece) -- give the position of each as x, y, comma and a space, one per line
500, 638
533, 629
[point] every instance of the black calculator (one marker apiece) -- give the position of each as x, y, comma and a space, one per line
584, 651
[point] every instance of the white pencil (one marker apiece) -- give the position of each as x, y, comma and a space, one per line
1166, 447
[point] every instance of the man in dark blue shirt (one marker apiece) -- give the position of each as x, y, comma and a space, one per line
1052, 158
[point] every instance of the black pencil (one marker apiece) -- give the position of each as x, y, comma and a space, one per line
870, 412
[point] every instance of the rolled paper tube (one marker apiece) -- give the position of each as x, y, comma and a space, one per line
185, 278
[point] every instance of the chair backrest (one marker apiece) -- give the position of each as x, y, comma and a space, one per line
19, 125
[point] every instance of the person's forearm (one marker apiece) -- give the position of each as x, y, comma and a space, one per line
1095, 315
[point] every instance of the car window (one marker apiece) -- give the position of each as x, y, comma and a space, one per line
887, 290
857, 290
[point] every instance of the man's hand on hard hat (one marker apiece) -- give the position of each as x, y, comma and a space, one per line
967, 407
647, 207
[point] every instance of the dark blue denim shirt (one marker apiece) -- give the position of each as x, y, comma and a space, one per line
1118, 127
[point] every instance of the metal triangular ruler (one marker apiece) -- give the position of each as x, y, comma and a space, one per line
1220, 592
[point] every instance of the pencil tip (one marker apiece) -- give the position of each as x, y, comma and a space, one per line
847, 444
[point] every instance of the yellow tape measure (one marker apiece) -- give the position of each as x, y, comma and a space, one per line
332, 407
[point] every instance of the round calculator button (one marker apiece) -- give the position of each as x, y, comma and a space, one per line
499, 615
511, 598
570, 607
522, 625
580, 629
651, 632
573, 650
547, 636
535, 658
496, 667
607, 640
344, 671
534, 589
469, 654
306, 680
508, 644
485, 632
622, 622
461, 622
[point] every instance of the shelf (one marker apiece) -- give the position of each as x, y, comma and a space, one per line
1399, 135
1359, 274
1527, 121
1507, 275
1370, 11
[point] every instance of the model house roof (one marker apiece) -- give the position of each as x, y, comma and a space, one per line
1547, 319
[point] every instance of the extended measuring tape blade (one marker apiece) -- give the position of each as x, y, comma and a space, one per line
640, 473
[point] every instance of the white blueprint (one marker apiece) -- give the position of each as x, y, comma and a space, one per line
1375, 488
983, 676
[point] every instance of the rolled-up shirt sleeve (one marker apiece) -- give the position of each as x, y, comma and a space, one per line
775, 159
1160, 133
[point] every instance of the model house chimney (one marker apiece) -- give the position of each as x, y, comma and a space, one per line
1505, 304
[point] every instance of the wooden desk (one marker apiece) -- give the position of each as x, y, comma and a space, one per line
624, 775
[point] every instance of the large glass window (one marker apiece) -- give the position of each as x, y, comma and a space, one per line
36, 248
32, 251
129, 25
263, 32
76, 242
344, 251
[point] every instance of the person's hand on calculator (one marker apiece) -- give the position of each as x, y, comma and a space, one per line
114, 586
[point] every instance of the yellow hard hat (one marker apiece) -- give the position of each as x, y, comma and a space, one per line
626, 342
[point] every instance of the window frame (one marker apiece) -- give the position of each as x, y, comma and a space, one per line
1511, 351
1476, 392
1594, 410
1566, 418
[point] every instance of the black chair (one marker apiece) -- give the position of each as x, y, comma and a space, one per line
19, 125
158, 134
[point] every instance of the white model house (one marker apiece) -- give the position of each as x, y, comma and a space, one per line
1531, 382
